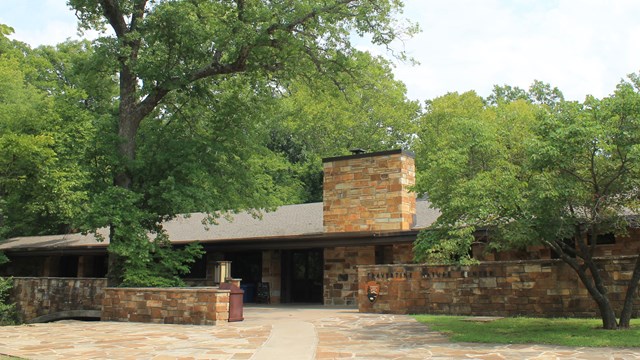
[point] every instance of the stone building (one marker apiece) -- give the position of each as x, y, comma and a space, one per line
307, 253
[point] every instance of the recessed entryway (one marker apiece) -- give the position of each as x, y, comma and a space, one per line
302, 276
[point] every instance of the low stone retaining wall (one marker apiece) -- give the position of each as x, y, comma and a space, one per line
50, 298
546, 288
197, 306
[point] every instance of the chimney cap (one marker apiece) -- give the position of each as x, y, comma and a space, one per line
371, 154
357, 151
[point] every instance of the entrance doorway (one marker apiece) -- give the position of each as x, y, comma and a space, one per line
248, 267
302, 276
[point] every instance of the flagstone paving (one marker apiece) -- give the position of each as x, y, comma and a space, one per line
269, 332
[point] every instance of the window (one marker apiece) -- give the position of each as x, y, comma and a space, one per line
68, 266
384, 254
606, 239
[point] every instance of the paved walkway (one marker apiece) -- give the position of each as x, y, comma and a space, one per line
277, 333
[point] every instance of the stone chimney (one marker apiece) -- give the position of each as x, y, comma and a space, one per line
369, 192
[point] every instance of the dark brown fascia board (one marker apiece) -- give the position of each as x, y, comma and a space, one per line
57, 251
366, 155
320, 240
326, 240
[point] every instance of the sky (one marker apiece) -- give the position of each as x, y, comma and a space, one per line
580, 46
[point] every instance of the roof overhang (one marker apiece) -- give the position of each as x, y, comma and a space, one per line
307, 241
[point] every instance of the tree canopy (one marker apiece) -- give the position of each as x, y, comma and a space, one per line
184, 106
533, 172
44, 134
164, 50
324, 117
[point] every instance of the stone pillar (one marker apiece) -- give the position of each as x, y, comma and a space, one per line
369, 192
341, 274
85, 266
272, 273
212, 259
51, 266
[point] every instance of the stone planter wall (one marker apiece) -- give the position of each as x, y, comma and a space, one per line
545, 288
196, 306
46, 299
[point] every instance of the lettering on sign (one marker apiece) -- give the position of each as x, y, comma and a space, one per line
429, 274
436, 274
390, 275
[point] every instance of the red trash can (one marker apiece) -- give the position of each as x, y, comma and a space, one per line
236, 303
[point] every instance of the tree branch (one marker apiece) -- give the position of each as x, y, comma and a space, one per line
240, 7
137, 15
592, 170
113, 13
156, 95
306, 17
215, 67
618, 173
571, 173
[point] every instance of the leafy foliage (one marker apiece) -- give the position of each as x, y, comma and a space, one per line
537, 171
320, 117
180, 109
8, 312
157, 264
41, 181
187, 71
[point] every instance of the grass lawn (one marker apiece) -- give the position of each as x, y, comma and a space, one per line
521, 330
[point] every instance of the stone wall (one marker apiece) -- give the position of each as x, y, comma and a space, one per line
547, 288
341, 274
40, 297
195, 306
624, 245
369, 192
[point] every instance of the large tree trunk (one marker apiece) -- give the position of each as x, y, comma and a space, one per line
609, 321
595, 286
128, 123
114, 273
598, 292
593, 281
127, 130
627, 309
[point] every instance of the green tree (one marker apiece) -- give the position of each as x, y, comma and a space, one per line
8, 311
41, 183
163, 48
320, 117
538, 93
56, 104
555, 175
197, 154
